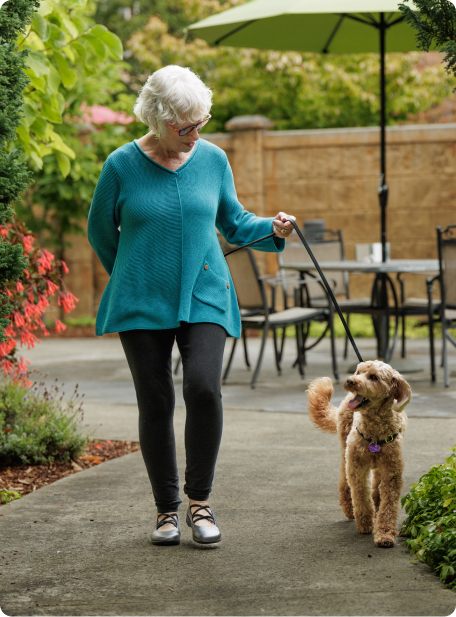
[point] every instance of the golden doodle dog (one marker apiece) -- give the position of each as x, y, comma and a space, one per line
370, 423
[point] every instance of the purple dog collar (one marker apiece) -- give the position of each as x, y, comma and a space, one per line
374, 446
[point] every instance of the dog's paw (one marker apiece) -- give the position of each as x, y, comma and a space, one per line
347, 509
385, 540
364, 527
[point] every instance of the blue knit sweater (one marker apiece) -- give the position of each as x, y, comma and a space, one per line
165, 263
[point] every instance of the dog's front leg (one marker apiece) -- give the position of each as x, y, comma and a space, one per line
390, 493
358, 475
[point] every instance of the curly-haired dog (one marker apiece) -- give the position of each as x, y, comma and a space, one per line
370, 423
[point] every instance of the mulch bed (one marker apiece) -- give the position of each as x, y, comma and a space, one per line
27, 478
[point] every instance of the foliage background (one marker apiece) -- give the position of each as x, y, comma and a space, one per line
101, 52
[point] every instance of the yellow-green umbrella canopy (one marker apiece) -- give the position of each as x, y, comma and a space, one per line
338, 26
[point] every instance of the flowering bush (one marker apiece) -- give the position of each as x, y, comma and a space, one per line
29, 298
37, 424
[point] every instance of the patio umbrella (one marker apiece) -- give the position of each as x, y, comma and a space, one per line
336, 26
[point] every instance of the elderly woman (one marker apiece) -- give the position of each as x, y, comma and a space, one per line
153, 223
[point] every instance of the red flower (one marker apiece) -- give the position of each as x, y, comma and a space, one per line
59, 326
64, 266
28, 241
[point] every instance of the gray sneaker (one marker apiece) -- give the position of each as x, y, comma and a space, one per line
203, 535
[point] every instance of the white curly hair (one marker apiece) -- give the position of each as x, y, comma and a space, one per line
172, 94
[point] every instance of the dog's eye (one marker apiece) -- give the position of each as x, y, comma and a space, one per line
373, 377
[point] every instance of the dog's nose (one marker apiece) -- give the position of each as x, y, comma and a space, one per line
350, 383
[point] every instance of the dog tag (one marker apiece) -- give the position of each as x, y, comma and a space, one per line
374, 447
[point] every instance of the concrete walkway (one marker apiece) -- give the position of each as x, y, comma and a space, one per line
81, 546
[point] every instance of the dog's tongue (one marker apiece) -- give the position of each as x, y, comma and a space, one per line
355, 401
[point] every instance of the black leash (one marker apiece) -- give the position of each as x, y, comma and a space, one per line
322, 276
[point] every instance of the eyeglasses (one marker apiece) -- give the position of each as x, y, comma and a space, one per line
189, 129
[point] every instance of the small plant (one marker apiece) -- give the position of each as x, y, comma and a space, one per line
430, 526
38, 425
6, 496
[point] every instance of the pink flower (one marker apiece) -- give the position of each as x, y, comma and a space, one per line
59, 326
45, 261
51, 287
29, 339
64, 266
7, 367
18, 319
28, 241
68, 301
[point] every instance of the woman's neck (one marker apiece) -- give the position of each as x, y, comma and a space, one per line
159, 151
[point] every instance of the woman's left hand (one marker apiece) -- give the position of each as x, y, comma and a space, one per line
282, 226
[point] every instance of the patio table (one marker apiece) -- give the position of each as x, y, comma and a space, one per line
380, 307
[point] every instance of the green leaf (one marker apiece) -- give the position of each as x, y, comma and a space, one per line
69, 52
46, 7
447, 502
57, 143
60, 101
111, 40
97, 45
49, 109
77, 4
53, 79
57, 38
41, 27
39, 83
23, 134
80, 23
64, 163
39, 127
67, 75
38, 63
29, 113
70, 27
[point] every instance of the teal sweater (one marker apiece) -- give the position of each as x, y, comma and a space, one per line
165, 263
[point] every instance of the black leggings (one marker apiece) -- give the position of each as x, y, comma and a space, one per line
149, 357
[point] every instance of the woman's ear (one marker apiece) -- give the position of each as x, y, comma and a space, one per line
403, 392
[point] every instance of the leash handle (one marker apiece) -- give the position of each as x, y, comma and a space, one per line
323, 278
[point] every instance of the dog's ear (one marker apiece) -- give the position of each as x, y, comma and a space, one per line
403, 392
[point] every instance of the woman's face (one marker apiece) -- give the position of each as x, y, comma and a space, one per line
178, 143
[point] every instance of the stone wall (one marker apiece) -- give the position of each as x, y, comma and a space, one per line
329, 174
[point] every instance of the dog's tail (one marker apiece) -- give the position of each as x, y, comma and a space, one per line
322, 413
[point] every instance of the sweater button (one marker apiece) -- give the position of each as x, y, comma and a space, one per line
206, 267
227, 285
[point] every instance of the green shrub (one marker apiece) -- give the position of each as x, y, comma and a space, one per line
37, 425
430, 526
6, 496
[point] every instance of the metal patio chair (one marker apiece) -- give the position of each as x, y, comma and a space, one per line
251, 295
445, 311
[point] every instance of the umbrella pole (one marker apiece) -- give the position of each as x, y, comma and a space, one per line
383, 188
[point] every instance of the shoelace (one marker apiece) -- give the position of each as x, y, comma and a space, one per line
200, 517
167, 518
